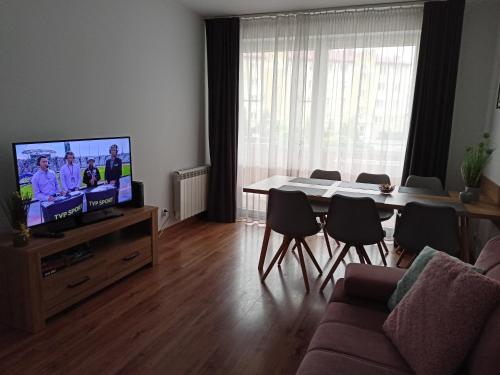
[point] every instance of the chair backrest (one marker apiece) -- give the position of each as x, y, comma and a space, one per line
432, 183
483, 358
423, 225
369, 178
290, 213
326, 175
354, 220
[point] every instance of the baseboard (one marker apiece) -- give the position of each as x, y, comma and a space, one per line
185, 223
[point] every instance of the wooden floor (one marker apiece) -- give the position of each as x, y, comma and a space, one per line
203, 310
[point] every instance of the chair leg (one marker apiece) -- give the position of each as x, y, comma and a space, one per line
327, 242
364, 254
360, 256
325, 234
303, 266
411, 260
337, 242
283, 253
385, 246
283, 247
335, 265
308, 250
400, 256
382, 255
294, 246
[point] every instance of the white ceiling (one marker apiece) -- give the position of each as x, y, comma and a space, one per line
238, 7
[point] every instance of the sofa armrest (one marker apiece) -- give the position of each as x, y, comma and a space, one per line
371, 282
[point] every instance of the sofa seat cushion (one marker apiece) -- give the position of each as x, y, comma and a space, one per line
364, 344
359, 316
320, 362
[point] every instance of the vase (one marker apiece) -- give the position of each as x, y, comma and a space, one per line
465, 196
474, 192
20, 238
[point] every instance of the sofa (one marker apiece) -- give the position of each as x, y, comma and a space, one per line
350, 339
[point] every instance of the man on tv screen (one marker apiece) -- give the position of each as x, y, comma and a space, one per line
91, 175
44, 181
70, 174
113, 170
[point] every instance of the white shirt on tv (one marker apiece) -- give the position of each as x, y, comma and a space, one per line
70, 176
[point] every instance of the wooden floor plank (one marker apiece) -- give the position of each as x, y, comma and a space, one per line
202, 310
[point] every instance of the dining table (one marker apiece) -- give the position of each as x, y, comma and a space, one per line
323, 190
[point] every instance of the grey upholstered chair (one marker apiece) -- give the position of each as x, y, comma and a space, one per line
355, 222
431, 183
290, 214
423, 225
378, 179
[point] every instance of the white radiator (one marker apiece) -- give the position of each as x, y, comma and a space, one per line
190, 191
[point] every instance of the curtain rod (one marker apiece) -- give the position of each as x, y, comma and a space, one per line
332, 9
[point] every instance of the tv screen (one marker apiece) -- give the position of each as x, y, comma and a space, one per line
67, 178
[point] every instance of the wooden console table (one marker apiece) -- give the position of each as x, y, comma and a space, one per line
119, 246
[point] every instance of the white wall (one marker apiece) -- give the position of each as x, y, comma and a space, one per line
91, 68
493, 169
477, 89
476, 83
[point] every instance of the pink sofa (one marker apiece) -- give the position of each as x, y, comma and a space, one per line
350, 340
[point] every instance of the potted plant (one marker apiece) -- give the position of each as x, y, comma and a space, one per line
16, 208
475, 159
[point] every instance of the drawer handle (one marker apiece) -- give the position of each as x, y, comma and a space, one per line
131, 256
83, 280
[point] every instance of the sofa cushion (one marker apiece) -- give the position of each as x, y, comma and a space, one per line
319, 362
411, 276
361, 343
371, 282
438, 320
489, 256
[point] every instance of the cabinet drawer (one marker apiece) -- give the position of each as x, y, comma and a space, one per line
72, 281
128, 257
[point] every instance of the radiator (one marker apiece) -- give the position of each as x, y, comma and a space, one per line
190, 191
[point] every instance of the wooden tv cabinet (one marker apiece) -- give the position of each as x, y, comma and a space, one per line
119, 246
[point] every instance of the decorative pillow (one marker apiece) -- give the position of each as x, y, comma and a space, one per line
411, 276
439, 319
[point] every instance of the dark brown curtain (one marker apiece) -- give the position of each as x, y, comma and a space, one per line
432, 114
223, 49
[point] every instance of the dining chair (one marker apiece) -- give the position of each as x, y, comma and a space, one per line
378, 179
423, 225
320, 209
290, 214
354, 221
414, 181
431, 183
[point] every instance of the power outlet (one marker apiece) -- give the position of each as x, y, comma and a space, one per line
164, 212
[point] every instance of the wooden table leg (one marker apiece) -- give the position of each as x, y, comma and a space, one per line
466, 246
263, 250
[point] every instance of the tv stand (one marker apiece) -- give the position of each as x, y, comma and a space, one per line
84, 261
97, 216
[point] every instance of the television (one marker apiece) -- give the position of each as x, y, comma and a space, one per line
69, 178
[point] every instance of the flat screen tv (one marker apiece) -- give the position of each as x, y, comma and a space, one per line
68, 178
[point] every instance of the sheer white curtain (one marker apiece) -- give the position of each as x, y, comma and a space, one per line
328, 90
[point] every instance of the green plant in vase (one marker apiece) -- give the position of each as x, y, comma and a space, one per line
475, 160
16, 209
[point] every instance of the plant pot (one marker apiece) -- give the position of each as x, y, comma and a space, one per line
474, 193
20, 238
